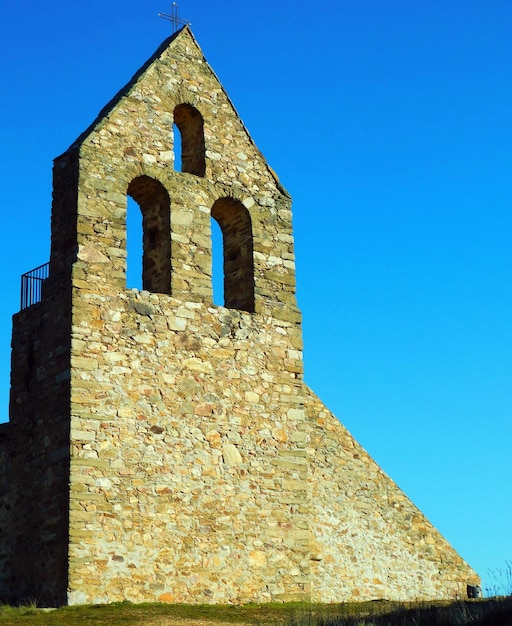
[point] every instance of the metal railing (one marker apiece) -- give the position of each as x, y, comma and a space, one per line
32, 285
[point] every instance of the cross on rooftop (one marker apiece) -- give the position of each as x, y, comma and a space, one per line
174, 18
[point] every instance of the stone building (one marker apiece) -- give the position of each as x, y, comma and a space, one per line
164, 448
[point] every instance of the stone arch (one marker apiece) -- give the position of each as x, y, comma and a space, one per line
237, 241
189, 122
155, 205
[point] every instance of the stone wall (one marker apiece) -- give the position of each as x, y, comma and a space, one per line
369, 540
204, 470
188, 476
38, 450
133, 140
166, 448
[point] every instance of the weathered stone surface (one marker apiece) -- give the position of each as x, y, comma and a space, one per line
161, 447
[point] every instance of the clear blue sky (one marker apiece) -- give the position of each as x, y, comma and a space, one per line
389, 123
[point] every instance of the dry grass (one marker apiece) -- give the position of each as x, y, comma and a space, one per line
493, 612
155, 615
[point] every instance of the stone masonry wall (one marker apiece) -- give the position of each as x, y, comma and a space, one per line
369, 540
188, 476
195, 474
38, 450
168, 448
187, 479
133, 139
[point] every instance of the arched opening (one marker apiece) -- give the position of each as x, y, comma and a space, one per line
217, 263
133, 245
189, 122
177, 147
238, 263
154, 203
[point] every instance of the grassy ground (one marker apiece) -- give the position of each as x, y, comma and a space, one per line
494, 612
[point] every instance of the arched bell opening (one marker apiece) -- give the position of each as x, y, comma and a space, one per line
238, 261
155, 205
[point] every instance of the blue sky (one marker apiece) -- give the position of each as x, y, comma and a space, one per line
389, 123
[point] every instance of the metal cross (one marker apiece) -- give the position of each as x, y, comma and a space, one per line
173, 17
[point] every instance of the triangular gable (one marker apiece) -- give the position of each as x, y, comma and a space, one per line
125, 91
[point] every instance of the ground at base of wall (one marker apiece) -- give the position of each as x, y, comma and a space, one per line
495, 611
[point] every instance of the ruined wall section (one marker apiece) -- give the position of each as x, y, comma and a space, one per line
369, 540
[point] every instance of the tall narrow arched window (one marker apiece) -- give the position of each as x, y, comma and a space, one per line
177, 147
189, 122
235, 223
133, 245
154, 203
217, 263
